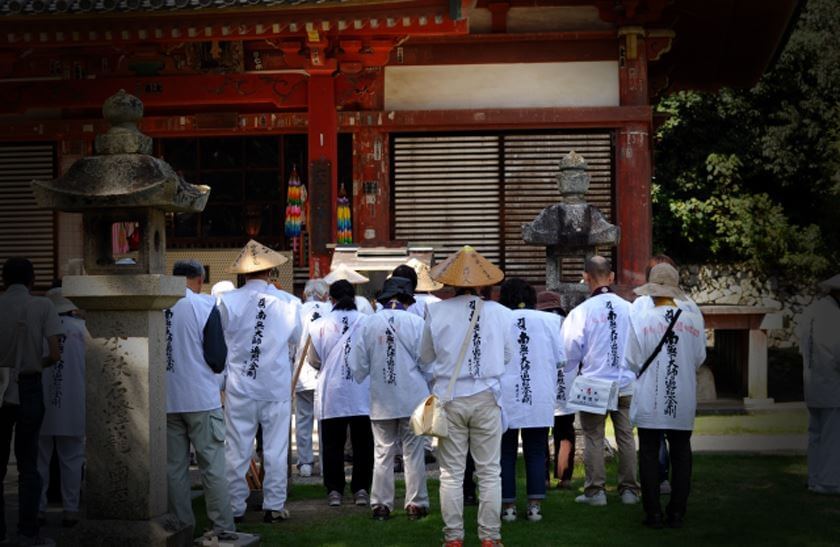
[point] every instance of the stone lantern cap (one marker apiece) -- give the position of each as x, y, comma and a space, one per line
122, 173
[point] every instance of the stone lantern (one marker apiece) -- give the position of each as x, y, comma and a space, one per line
125, 491
569, 229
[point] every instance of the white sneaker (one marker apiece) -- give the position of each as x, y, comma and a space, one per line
534, 513
305, 470
628, 497
598, 500
509, 514
665, 487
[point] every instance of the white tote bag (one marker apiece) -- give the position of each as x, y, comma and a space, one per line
593, 395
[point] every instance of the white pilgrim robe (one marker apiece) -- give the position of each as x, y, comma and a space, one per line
309, 313
387, 353
191, 386
259, 328
594, 334
665, 396
363, 305
819, 343
530, 379
64, 383
421, 300
487, 352
337, 394
645, 302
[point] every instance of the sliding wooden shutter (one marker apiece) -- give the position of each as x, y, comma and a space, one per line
447, 192
531, 164
26, 230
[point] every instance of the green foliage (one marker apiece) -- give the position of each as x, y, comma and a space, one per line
754, 175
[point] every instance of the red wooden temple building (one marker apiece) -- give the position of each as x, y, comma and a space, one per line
443, 120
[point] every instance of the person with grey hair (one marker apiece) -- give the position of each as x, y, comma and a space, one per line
195, 355
594, 334
316, 292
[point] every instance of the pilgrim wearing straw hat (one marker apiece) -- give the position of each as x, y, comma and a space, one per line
387, 353
260, 327
465, 340
665, 346
820, 348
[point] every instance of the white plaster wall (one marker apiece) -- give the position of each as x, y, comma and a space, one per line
532, 85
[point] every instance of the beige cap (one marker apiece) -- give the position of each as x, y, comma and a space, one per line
466, 268
425, 283
664, 281
256, 257
831, 284
343, 271
62, 304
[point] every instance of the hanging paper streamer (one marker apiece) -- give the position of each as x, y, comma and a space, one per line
345, 228
294, 201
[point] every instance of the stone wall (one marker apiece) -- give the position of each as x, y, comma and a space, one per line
731, 284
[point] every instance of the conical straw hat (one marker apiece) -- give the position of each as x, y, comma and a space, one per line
256, 257
467, 268
343, 271
424, 281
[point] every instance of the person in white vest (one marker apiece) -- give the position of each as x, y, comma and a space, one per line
563, 429
640, 304
195, 356
346, 273
465, 340
528, 394
665, 347
316, 293
594, 334
387, 354
259, 328
340, 401
220, 288
819, 344
63, 428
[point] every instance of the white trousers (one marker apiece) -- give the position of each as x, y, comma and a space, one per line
242, 416
388, 436
823, 449
474, 422
71, 458
304, 422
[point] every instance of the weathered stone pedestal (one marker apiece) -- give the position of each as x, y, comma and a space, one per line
125, 387
125, 490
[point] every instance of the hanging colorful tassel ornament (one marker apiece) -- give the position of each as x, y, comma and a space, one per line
294, 202
345, 228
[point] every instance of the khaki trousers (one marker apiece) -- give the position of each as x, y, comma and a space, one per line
206, 431
474, 423
593, 453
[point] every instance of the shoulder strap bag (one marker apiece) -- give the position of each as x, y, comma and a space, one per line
429, 418
661, 343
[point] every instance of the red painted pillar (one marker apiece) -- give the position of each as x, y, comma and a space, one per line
371, 196
633, 163
322, 145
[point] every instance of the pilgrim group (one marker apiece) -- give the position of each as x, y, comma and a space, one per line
240, 361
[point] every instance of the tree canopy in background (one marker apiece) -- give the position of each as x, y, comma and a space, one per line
754, 175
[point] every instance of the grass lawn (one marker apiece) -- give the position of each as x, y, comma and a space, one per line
769, 423
736, 500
